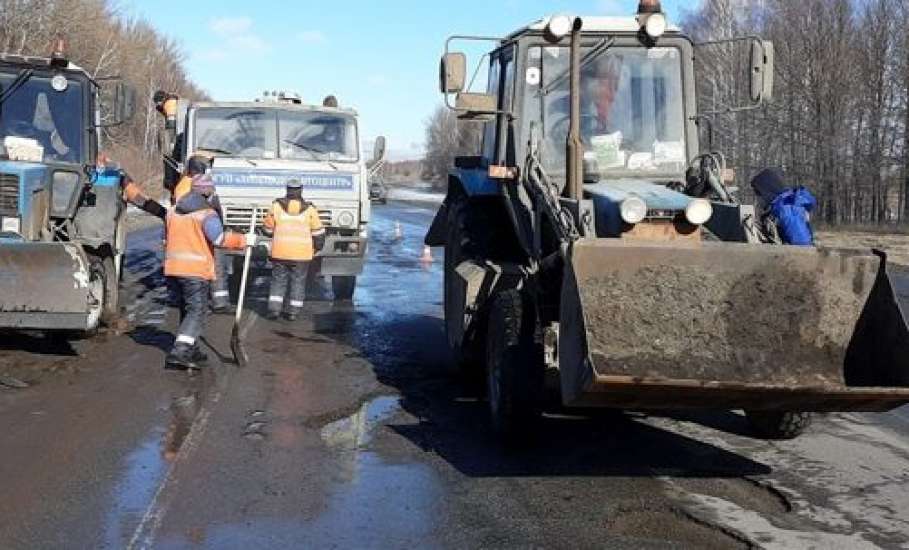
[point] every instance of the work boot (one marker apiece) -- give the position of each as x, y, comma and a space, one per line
273, 315
223, 309
290, 316
181, 358
199, 356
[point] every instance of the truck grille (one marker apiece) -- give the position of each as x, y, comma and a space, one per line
238, 216
9, 194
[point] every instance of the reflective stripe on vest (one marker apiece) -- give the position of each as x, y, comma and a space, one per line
292, 235
187, 252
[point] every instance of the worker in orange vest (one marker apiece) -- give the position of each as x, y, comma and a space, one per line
194, 229
297, 234
195, 166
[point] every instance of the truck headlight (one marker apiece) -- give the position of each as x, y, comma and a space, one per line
347, 219
698, 211
10, 224
633, 210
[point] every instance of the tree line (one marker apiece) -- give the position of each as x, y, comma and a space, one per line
839, 120
106, 44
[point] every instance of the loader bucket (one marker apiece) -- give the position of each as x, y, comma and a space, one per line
731, 325
46, 286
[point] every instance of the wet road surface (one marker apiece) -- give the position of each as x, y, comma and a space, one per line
349, 429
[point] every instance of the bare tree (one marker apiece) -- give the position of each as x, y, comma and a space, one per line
446, 138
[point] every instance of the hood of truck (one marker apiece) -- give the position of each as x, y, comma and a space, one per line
241, 179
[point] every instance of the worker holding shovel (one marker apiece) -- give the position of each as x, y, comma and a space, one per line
194, 229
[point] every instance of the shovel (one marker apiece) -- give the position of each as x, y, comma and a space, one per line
236, 344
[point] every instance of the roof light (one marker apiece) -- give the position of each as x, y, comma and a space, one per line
655, 25
558, 27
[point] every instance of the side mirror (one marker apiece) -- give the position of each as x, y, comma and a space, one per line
762, 55
453, 73
378, 150
124, 102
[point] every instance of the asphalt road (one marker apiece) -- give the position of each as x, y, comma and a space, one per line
349, 430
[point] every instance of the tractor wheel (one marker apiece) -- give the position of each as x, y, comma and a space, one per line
779, 424
105, 269
515, 369
455, 288
343, 287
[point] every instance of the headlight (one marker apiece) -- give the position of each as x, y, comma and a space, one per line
10, 225
655, 25
558, 27
698, 211
346, 219
65, 185
633, 210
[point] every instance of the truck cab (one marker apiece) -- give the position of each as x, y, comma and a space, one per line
258, 146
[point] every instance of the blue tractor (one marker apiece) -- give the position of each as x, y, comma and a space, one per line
62, 217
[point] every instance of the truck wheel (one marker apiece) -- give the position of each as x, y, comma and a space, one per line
455, 293
514, 366
343, 287
779, 424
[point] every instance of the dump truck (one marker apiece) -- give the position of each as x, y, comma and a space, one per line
594, 239
62, 227
257, 146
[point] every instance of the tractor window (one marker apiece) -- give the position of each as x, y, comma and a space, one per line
489, 128
52, 118
632, 112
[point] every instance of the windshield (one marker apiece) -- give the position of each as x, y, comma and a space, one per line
37, 111
276, 133
632, 114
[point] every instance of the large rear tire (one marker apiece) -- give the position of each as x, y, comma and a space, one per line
514, 366
343, 287
779, 424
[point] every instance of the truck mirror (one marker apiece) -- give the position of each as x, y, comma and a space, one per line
762, 71
378, 150
125, 102
452, 73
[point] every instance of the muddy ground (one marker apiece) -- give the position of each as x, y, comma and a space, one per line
349, 429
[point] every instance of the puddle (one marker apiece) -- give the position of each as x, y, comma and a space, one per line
356, 431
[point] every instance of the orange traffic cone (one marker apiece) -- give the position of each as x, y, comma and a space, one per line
427, 255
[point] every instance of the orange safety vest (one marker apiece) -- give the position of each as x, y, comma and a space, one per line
293, 232
187, 252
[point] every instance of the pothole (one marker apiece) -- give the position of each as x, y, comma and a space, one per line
667, 524
354, 431
748, 493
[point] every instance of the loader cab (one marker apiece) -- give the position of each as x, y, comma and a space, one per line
50, 107
637, 100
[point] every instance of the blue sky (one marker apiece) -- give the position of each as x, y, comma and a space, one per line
378, 57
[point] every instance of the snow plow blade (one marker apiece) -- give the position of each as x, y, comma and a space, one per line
730, 325
46, 286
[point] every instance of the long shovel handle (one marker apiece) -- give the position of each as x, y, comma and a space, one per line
246, 261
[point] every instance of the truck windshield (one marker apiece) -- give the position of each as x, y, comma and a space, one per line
37, 111
276, 133
632, 112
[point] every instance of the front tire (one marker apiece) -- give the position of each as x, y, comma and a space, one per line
104, 268
343, 287
779, 425
515, 369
